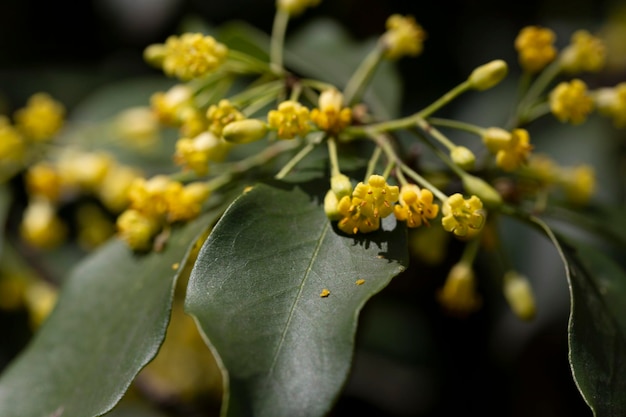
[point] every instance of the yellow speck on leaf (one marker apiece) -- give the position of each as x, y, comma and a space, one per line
360, 281
175, 266
325, 293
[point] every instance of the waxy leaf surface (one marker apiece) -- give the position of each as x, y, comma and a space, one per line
255, 291
108, 324
597, 329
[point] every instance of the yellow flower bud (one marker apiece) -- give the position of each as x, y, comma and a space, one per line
41, 227
496, 139
463, 157
137, 229
40, 298
244, 131
519, 295
488, 75
458, 295
331, 203
295, 7
41, 119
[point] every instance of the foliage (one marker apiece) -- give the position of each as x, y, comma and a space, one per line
271, 191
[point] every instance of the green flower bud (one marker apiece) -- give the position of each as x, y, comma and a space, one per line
519, 295
481, 189
488, 75
330, 206
463, 157
244, 131
340, 185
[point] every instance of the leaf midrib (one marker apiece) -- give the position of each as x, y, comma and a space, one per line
298, 296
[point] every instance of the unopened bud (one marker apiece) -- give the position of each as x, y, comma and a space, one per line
496, 139
155, 54
463, 157
340, 185
519, 295
481, 189
244, 131
488, 75
330, 206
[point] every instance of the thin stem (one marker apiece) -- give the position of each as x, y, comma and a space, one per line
332, 154
537, 111
371, 165
445, 158
426, 127
388, 168
299, 156
361, 77
254, 64
535, 90
409, 121
279, 28
456, 124
391, 154
255, 160
445, 99
470, 251
271, 87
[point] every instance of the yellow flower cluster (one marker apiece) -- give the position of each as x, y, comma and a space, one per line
570, 101
222, 114
196, 153
416, 206
463, 217
330, 115
74, 173
585, 53
535, 46
38, 122
192, 55
369, 203
578, 182
512, 149
156, 202
404, 36
41, 119
290, 120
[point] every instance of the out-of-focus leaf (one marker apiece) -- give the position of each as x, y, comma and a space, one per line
324, 50
108, 324
5, 201
255, 291
242, 37
597, 328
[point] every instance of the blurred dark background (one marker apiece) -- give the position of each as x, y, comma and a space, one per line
427, 363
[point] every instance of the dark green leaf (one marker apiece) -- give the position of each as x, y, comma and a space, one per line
108, 324
5, 201
255, 292
323, 49
597, 328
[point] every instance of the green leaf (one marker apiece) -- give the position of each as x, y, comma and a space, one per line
597, 328
108, 324
324, 49
5, 202
255, 292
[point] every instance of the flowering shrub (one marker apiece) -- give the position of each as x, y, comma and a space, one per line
287, 201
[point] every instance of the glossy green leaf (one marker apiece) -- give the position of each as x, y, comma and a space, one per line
255, 291
597, 328
108, 324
